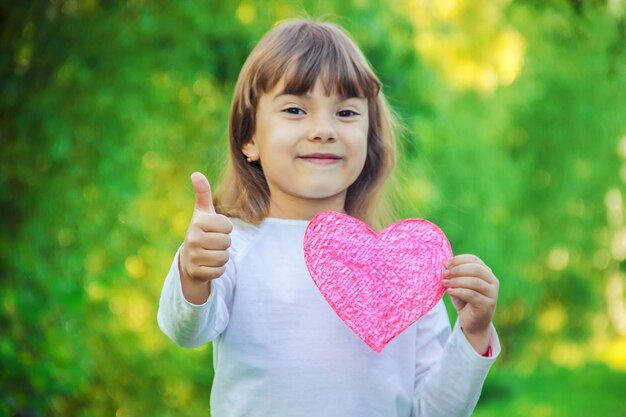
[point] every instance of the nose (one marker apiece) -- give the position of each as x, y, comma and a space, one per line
322, 130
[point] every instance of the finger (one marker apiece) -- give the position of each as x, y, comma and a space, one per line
472, 297
458, 303
208, 272
211, 222
463, 259
471, 283
204, 199
215, 241
210, 258
214, 258
471, 270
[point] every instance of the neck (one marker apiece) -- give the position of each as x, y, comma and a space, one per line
305, 209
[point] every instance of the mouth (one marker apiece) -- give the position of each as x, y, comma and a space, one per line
321, 158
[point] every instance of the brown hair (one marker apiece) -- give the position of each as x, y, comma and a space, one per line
303, 51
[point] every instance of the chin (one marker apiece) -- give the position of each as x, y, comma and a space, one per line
321, 194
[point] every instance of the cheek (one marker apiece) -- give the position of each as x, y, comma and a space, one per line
361, 162
358, 149
359, 146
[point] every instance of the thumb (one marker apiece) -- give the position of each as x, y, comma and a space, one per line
204, 199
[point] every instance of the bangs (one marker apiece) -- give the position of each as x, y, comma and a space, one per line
306, 54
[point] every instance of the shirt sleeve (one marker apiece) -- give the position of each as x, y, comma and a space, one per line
449, 372
191, 325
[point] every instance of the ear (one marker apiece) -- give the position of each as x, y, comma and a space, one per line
251, 150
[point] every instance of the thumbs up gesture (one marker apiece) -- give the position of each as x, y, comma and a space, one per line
204, 253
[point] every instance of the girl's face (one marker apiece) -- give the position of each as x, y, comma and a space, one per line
312, 147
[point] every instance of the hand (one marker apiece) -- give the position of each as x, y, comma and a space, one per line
473, 288
204, 253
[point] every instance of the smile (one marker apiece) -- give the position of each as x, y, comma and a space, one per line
321, 158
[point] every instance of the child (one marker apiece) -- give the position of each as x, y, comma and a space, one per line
310, 131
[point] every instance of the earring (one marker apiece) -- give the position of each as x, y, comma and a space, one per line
249, 159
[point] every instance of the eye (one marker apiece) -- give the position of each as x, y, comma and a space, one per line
347, 113
294, 110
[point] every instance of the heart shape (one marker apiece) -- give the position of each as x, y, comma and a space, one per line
378, 284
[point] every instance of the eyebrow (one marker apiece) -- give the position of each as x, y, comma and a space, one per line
291, 93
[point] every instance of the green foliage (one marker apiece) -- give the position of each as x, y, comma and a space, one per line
107, 107
550, 391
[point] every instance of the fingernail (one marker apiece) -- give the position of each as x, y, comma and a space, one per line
447, 264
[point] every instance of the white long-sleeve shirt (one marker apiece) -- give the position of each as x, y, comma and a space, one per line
280, 350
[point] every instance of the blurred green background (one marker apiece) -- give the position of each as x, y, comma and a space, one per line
515, 144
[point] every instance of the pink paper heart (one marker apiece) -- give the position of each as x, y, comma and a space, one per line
378, 284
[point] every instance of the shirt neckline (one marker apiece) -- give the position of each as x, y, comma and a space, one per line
278, 220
